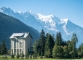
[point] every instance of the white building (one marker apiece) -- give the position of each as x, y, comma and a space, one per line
20, 43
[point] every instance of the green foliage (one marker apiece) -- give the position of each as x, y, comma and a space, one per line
74, 40
46, 47
69, 48
36, 48
48, 53
3, 49
9, 52
49, 45
17, 56
27, 55
12, 55
65, 51
57, 51
9, 25
58, 40
80, 51
22, 55
39, 45
42, 42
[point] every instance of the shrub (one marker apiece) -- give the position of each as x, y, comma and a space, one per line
12, 56
17, 56
22, 55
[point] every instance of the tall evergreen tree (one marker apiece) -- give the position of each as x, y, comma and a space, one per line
74, 40
36, 48
58, 43
57, 51
49, 45
42, 42
69, 44
58, 40
3, 48
65, 52
80, 51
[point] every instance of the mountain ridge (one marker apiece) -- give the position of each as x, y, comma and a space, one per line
10, 25
49, 23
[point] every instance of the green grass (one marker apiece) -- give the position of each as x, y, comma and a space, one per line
9, 58
39, 59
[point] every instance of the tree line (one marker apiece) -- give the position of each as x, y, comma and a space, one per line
55, 47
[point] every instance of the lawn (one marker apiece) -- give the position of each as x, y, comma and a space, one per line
39, 59
9, 58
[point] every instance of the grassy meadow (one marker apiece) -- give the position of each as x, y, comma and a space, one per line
41, 59
9, 58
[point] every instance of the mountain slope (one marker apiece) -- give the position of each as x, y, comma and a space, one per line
49, 23
9, 25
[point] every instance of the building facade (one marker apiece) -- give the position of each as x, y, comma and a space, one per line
20, 43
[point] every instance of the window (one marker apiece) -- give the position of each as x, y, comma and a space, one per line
20, 45
17, 44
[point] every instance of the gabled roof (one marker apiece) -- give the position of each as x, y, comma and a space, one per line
22, 35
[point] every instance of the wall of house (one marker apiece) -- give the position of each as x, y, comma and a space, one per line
17, 46
28, 43
20, 45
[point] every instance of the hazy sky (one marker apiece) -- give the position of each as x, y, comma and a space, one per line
71, 9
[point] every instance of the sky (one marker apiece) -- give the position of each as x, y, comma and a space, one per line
71, 9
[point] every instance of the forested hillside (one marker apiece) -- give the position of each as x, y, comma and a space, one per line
10, 25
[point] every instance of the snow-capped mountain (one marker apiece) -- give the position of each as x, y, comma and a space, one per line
49, 23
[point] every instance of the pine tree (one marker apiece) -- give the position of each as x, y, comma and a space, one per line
69, 44
80, 51
42, 42
49, 45
3, 48
58, 40
74, 40
58, 44
36, 48
65, 52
